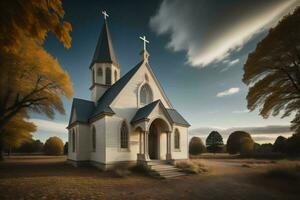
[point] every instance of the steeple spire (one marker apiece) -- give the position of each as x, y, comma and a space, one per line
104, 52
144, 53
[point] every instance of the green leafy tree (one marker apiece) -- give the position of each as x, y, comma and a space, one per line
214, 142
239, 142
54, 146
273, 71
196, 146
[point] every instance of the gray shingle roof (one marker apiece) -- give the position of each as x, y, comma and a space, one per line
83, 108
145, 111
177, 118
104, 52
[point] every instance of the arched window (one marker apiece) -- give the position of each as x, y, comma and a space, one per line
94, 139
146, 95
177, 139
99, 72
124, 136
116, 75
73, 141
108, 76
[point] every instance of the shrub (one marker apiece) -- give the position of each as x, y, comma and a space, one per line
121, 171
191, 167
196, 146
239, 141
54, 146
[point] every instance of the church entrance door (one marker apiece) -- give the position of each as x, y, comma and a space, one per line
153, 142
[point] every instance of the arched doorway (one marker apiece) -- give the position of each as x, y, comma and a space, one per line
156, 129
153, 141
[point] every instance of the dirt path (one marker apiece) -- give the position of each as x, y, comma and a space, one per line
50, 178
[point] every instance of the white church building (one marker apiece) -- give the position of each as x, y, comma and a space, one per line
128, 119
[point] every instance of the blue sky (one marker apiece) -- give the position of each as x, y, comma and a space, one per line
197, 50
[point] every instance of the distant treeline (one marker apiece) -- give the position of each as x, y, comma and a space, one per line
241, 142
52, 146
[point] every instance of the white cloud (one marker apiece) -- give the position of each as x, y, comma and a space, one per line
240, 111
233, 62
210, 31
49, 126
228, 92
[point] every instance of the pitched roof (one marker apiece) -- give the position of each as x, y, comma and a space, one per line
83, 109
103, 104
177, 118
144, 112
104, 52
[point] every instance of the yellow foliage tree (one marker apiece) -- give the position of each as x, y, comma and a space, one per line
31, 79
273, 71
32, 19
17, 131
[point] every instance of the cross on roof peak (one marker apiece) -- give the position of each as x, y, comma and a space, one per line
145, 41
105, 15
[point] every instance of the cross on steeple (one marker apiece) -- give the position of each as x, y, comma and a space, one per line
105, 15
145, 41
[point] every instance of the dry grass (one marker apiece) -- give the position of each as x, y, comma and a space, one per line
287, 172
191, 167
45, 177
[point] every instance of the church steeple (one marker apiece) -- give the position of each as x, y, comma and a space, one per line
105, 70
104, 52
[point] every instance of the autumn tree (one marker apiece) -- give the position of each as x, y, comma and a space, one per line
214, 142
32, 19
31, 79
17, 131
273, 71
54, 146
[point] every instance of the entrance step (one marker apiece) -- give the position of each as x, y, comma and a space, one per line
162, 169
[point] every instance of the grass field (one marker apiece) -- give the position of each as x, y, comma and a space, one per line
44, 177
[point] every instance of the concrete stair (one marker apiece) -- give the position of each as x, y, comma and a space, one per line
162, 169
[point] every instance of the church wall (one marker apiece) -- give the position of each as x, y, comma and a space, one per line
83, 138
99, 154
113, 150
98, 90
181, 153
128, 98
71, 154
